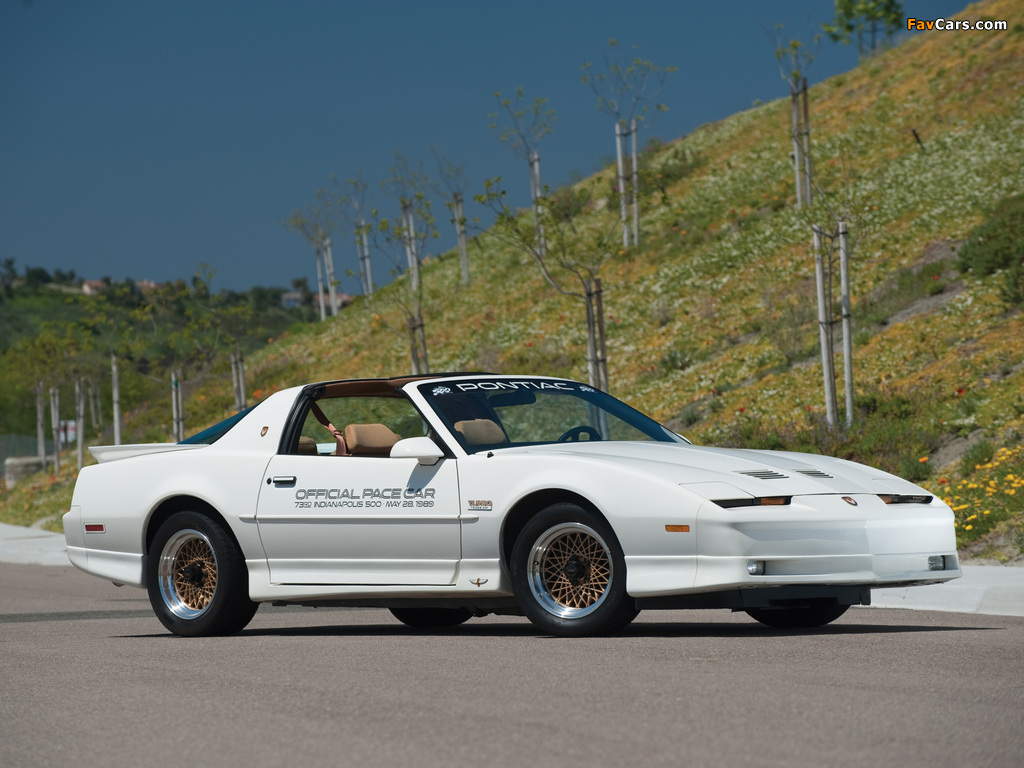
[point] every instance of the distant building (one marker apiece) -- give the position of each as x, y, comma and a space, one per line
291, 300
93, 287
344, 300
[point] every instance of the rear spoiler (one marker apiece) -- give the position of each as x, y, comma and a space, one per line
104, 453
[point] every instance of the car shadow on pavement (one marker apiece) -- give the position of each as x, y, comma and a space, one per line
644, 630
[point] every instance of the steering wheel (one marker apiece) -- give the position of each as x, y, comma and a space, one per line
577, 432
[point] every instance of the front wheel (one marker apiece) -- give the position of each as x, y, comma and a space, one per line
569, 574
432, 618
798, 617
196, 578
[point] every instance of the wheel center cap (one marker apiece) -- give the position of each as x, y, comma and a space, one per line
193, 573
575, 569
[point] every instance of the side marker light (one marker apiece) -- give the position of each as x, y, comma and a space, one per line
677, 528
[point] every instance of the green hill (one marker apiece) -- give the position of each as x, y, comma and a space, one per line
711, 320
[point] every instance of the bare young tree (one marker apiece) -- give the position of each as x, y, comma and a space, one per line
794, 59
409, 186
351, 204
521, 126
455, 182
315, 225
581, 236
627, 89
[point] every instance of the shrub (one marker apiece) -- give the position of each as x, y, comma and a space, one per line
998, 242
977, 455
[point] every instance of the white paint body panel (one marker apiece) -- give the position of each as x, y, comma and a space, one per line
451, 548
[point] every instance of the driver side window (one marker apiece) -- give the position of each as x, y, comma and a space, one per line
369, 426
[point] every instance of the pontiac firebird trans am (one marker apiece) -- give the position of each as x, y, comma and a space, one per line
451, 496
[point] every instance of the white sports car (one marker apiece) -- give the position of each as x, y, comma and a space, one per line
445, 497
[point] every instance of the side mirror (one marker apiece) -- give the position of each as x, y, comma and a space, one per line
423, 449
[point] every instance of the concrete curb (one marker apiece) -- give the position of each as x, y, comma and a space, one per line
30, 546
989, 589
986, 589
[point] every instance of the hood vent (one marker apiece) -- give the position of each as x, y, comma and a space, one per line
762, 474
815, 473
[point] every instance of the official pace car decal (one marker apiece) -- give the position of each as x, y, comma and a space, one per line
326, 498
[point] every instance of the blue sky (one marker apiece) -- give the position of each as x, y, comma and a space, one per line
138, 139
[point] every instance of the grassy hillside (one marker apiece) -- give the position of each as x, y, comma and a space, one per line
711, 320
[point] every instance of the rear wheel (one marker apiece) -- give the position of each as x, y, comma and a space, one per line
798, 617
196, 578
569, 574
427, 618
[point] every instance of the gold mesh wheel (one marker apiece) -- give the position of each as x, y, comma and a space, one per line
570, 570
188, 574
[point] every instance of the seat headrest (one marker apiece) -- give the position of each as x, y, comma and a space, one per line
369, 439
307, 446
481, 432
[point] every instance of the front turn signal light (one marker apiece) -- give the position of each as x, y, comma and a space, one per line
897, 498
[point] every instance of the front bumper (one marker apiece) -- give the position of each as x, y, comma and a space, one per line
815, 540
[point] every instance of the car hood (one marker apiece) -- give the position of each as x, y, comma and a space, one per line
758, 473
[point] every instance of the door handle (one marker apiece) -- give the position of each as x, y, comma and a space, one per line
284, 480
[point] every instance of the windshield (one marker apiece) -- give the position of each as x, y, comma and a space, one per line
498, 413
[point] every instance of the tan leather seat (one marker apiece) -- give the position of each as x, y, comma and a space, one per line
369, 439
481, 432
307, 446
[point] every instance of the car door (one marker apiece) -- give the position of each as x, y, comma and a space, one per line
360, 520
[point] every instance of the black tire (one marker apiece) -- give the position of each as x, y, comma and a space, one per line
431, 618
569, 574
197, 579
798, 617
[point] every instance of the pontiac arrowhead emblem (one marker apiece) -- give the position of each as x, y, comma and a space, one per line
478, 582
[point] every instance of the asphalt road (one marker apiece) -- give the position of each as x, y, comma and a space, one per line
90, 678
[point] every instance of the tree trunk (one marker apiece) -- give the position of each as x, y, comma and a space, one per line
425, 363
411, 249
460, 231
825, 330
55, 427
363, 248
332, 291
40, 424
602, 347
241, 382
174, 406
320, 284
636, 186
413, 345
794, 96
622, 182
844, 282
115, 386
593, 375
807, 147
80, 422
536, 191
